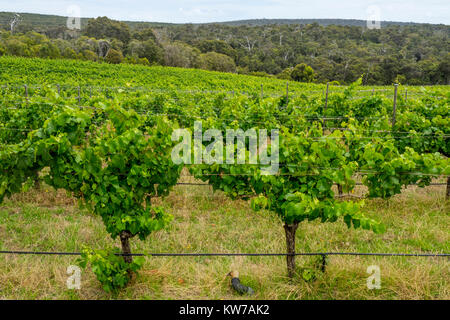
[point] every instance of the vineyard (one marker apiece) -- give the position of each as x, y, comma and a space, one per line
86, 167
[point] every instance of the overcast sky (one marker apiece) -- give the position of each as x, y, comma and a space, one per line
178, 11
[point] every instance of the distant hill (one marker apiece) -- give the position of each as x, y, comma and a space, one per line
53, 21
323, 22
37, 21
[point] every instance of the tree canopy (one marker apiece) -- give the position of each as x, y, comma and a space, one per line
411, 54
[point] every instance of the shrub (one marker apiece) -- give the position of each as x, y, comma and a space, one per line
113, 56
69, 53
15, 47
89, 55
216, 62
179, 54
303, 73
48, 50
285, 74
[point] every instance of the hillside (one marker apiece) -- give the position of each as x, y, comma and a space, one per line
15, 70
322, 22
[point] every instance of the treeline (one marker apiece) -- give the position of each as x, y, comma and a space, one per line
410, 54
113, 42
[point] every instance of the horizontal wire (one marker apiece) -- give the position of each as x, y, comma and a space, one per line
288, 116
268, 121
265, 166
257, 89
253, 90
425, 136
237, 254
335, 184
314, 174
303, 174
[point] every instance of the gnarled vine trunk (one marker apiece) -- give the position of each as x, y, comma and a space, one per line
37, 181
290, 231
340, 191
447, 197
126, 250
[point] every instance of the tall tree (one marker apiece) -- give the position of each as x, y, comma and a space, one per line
102, 27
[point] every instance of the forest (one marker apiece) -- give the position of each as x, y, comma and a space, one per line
329, 51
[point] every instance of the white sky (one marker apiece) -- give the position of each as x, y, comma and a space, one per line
177, 11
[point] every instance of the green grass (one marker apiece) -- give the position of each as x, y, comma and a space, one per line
417, 221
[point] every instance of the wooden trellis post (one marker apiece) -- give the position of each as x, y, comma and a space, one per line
287, 93
26, 93
447, 197
325, 107
394, 113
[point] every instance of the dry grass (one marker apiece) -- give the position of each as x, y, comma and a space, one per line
418, 220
